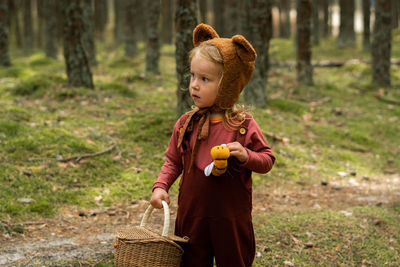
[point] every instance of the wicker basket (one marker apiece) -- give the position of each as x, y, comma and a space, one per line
137, 246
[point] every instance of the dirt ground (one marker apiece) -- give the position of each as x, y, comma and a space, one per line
86, 237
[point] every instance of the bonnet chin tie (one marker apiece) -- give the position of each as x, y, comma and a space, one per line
203, 116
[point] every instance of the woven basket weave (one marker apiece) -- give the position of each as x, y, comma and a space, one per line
137, 246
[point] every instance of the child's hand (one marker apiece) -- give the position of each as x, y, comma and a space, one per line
158, 195
238, 151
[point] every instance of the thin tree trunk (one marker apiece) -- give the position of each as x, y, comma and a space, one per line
50, 36
167, 11
315, 22
185, 22
366, 7
219, 17
153, 37
100, 17
130, 36
76, 59
347, 35
382, 43
15, 26
203, 11
395, 14
4, 33
118, 20
88, 32
28, 27
40, 6
325, 18
284, 18
232, 15
258, 27
304, 67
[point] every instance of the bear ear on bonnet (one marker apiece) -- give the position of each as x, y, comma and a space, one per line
203, 32
244, 49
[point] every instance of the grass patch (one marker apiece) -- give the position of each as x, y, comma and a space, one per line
360, 236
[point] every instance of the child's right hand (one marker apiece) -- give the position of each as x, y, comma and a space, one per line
158, 195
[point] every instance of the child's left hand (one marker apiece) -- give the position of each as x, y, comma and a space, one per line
238, 151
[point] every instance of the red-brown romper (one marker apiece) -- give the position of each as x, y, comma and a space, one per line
215, 211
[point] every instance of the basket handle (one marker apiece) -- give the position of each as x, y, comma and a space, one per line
148, 212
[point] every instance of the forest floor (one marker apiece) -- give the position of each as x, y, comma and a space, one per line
86, 237
331, 199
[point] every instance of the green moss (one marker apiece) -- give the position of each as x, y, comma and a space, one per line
287, 105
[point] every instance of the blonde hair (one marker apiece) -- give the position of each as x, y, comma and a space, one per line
235, 115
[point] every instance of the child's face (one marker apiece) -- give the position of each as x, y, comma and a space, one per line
204, 81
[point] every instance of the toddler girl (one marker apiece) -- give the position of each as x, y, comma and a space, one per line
215, 211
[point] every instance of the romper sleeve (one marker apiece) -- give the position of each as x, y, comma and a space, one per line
173, 165
261, 159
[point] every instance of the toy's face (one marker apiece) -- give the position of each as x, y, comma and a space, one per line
220, 152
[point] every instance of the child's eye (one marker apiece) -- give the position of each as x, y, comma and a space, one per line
192, 75
205, 79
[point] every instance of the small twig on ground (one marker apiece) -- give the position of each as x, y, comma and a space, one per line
389, 101
78, 158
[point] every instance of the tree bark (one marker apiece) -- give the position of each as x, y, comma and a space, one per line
153, 37
219, 17
118, 20
167, 11
233, 16
284, 18
130, 18
325, 18
15, 27
100, 17
304, 67
315, 22
40, 6
76, 59
395, 13
347, 36
185, 22
366, 7
28, 27
259, 31
50, 34
382, 43
203, 11
4, 33
88, 32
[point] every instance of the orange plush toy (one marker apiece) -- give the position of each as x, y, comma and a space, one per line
220, 155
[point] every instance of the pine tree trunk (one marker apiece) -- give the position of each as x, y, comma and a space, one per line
118, 20
395, 13
258, 27
50, 36
88, 32
130, 36
284, 18
40, 5
15, 28
100, 17
304, 67
203, 11
153, 37
325, 18
347, 36
167, 11
76, 59
185, 22
28, 27
219, 17
366, 7
232, 15
4, 33
382, 43
315, 22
